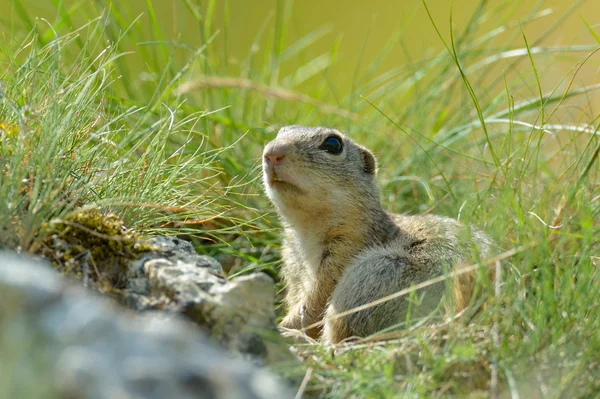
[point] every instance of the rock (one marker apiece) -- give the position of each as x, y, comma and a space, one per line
176, 250
60, 341
239, 312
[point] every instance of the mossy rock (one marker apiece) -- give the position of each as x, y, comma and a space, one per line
95, 247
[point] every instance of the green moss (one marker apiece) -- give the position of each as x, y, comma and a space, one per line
93, 244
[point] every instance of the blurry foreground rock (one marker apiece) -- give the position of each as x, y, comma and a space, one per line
166, 274
239, 312
60, 341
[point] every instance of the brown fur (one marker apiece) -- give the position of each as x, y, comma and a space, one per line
341, 249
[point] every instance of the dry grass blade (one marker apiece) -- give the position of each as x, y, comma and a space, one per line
407, 291
265, 90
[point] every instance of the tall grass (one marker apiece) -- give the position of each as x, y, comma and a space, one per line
68, 143
489, 131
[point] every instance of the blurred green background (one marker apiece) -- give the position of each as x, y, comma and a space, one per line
357, 29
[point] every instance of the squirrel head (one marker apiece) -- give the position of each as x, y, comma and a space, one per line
318, 170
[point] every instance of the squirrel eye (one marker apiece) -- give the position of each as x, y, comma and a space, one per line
332, 145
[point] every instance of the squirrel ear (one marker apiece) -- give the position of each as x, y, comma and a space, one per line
368, 161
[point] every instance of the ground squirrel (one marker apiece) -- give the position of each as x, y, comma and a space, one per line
341, 249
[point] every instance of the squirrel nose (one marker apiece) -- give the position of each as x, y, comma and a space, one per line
274, 157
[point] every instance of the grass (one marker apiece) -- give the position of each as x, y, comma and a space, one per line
169, 139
